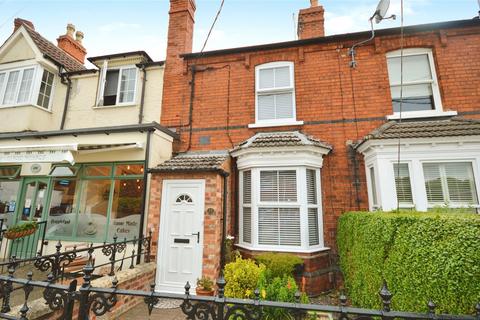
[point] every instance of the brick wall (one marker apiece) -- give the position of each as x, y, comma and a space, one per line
337, 104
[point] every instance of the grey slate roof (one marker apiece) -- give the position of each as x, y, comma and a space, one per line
426, 129
54, 52
208, 161
281, 139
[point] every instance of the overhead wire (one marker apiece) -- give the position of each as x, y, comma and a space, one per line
213, 24
397, 178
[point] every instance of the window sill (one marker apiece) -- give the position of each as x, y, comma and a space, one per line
115, 106
421, 114
24, 105
275, 124
277, 249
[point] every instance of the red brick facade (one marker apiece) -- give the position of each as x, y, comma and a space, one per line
337, 104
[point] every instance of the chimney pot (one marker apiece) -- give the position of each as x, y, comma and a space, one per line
79, 37
72, 46
70, 30
313, 3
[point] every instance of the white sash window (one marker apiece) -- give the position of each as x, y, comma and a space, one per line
117, 85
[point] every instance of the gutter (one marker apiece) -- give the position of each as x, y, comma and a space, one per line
142, 98
188, 170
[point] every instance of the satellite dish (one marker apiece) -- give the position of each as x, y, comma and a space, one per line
381, 11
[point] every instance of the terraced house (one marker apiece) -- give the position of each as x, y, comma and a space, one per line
269, 144
278, 140
75, 142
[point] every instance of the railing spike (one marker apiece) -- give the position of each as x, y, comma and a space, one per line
386, 296
187, 288
431, 307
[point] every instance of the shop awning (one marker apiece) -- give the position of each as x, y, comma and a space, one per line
57, 152
38, 153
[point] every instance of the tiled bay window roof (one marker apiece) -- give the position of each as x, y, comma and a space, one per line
281, 139
208, 161
426, 129
54, 52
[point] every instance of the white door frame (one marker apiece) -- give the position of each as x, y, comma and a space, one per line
163, 229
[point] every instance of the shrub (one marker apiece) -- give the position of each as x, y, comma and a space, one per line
279, 264
242, 278
422, 256
277, 289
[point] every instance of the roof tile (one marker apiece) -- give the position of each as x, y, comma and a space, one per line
193, 162
280, 139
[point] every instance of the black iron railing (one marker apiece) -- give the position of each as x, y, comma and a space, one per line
57, 264
99, 301
22, 248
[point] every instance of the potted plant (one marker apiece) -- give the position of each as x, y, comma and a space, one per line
205, 287
21, 230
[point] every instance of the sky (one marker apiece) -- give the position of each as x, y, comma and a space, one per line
127, 25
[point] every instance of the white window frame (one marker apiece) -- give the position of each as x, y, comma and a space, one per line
287, 89
35, 88
437, 99
301, 203
453, 205
373, 193
102, 82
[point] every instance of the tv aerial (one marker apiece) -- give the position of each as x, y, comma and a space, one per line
378, 16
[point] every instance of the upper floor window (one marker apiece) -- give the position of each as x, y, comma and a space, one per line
275, 93
420, 90
20, 86
118, 85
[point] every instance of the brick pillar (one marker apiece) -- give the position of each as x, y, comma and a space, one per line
311, 21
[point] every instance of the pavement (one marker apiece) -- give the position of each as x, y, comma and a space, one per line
140, 312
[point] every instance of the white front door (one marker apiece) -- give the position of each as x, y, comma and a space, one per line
180, 246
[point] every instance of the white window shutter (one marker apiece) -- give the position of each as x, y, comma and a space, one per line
247, 224
101, 82
402, 183
266, 107
282, 77
433, 183
313, 227
284, 106
246, 207
460, 183
279, 226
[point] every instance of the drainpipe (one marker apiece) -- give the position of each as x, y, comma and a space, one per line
65, 79
224, 227
142, 99
190, 114
144, 197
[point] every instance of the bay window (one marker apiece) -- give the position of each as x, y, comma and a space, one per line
29, 85
280, 209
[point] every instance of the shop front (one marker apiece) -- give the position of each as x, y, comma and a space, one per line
87, 191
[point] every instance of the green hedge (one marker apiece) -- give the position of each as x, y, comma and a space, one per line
422, 256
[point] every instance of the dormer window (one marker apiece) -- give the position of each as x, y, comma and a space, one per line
119, 86
23, 86
275, 94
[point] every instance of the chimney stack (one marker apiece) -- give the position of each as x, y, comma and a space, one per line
73, 46
19, 22
311, 21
